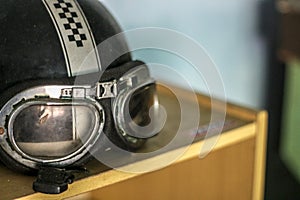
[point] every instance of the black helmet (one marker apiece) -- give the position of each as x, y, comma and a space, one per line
48, 120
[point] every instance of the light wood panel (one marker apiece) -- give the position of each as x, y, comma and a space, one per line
260, 156
224, 174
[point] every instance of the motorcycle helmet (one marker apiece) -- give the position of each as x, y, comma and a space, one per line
46, 118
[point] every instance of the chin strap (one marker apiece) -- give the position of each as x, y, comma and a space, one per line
51, 180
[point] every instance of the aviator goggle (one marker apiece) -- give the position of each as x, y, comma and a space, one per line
57, 125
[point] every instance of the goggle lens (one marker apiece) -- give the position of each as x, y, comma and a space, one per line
52, 131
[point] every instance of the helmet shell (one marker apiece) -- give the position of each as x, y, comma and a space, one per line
30, 46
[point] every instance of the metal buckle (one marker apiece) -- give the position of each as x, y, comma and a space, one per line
106, 90
73, 93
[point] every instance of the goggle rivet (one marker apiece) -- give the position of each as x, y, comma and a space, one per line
2, 130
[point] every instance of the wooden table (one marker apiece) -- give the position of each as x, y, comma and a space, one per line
235, 169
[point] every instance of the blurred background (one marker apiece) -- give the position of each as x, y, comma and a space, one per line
255, 45
228, 32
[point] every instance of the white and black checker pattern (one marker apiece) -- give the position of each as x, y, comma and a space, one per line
77, 41
66, 11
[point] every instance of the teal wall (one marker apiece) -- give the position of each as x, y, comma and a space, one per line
226, 29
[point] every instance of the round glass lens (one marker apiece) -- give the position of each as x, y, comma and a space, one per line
140, 112
53, 131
